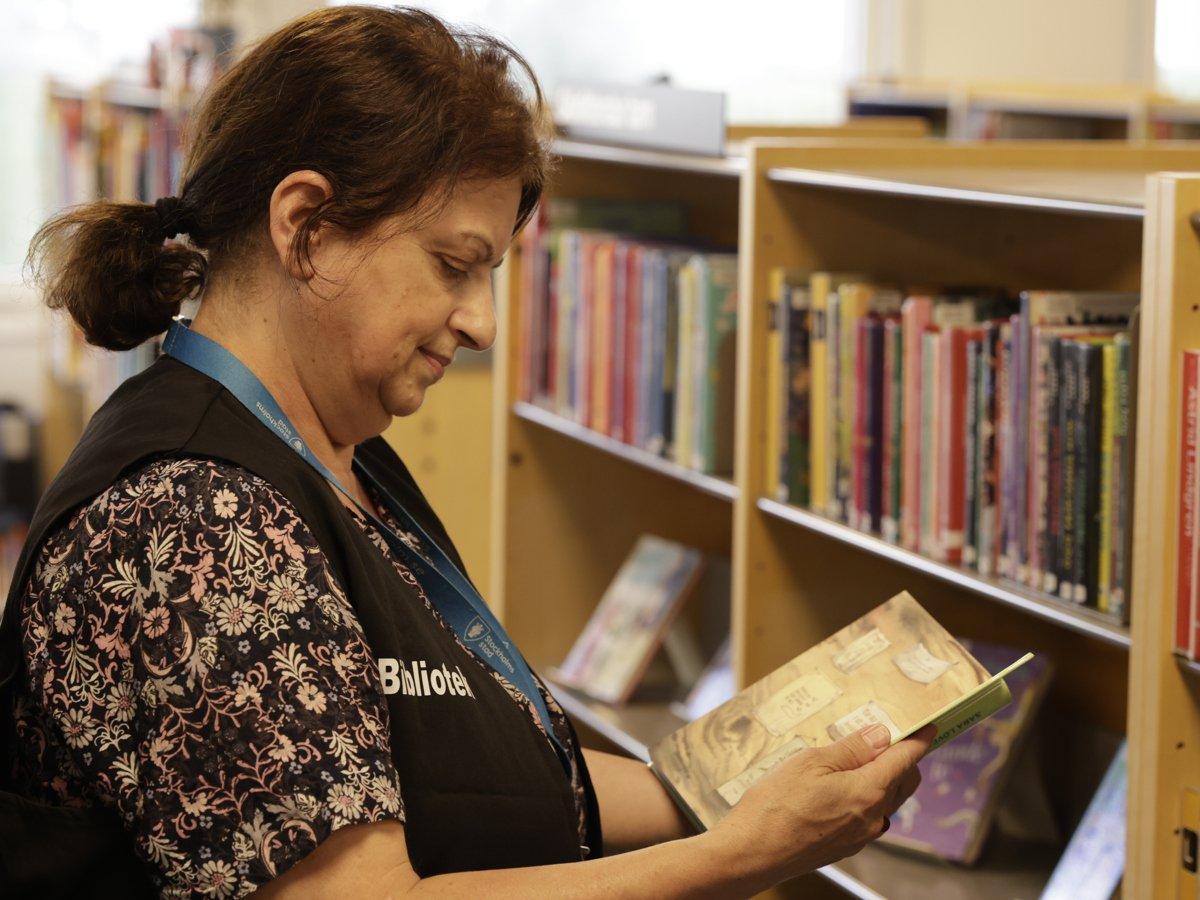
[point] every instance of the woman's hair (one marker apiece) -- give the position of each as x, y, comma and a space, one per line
392, 106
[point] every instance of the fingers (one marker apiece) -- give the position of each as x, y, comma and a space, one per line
855, 751
889, 766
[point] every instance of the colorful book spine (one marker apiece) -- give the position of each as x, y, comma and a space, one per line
873, 420
1122, 483
1108, 425
819, 414
1087, 526
855, 299
859, 428
685, 365
774, 477
601, 332
833, 402
970, 549
986, 476
1185, 593
797, 394
915, 316
1003, 450
893, 422
618, 339
951, 447
928, 535
1069, 423
718, 365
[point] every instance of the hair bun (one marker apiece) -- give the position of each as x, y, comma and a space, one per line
173, 217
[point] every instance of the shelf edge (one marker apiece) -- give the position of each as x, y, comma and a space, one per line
872, 185
708, 484
1024, 600
721, 166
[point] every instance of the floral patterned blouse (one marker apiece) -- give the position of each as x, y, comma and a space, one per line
193, 663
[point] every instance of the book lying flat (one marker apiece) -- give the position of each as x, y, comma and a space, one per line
896, 666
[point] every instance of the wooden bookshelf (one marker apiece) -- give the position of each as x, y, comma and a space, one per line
1017, 215
1114, 112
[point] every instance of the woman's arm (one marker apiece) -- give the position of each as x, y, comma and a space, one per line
812, 809
635, 809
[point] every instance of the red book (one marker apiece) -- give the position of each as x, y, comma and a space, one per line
891, 363
952, 444
914, 315
1185, 600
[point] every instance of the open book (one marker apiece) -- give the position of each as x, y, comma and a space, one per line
895, 666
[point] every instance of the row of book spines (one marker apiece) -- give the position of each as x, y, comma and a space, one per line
944, 503
1187, 601
640, 342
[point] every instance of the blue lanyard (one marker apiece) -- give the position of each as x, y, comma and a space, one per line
447, 588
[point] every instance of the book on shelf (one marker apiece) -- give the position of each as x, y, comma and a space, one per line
1187, 616
896, 666
951, 813
976, 428
630, 623
629, 330
1094, 861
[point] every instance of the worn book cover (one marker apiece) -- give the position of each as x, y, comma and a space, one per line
951, 813
628, 626
895, 666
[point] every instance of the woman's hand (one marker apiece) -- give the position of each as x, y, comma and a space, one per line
822, 805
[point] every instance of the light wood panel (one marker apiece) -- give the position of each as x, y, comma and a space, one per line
1164, 750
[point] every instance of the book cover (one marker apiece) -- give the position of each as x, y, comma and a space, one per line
927, 538
1185, 612
628, 625
685, 363
797, 397
1122, 482
1094, 861
1108, 426
1068, 424
986, 529
715, 330
893, 428
971, 454
896, 666
950, 814
781, 282
915, 315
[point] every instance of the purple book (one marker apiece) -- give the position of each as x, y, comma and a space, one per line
950, 814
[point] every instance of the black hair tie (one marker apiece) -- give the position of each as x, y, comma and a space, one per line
173, 217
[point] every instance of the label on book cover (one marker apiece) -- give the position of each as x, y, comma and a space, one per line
804, 697
918, 664
732, 790
869, 645
870, 713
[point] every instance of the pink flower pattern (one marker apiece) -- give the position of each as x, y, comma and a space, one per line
193, 663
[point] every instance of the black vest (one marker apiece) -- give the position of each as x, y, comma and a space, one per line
482, 787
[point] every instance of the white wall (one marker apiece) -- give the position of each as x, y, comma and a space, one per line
1067, 42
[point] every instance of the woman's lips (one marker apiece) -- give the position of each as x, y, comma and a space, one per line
435, 363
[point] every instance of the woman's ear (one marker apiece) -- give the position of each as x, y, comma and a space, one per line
293, 202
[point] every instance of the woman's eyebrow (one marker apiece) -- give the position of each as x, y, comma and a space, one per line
489, 250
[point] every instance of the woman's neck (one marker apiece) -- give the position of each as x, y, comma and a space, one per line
254, 335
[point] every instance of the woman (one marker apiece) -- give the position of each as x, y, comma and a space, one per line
241, 655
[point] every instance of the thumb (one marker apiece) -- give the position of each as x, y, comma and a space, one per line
856, 750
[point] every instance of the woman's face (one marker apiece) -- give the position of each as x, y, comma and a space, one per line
385, 313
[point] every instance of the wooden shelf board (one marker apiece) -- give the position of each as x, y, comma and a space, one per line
1119, 194
1007, 871
1191, 666
709, 484
729, 166
1026, 599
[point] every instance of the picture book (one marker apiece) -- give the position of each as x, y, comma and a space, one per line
628, 626
951, 813
896, 666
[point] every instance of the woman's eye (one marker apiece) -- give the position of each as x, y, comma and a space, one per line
451, 270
